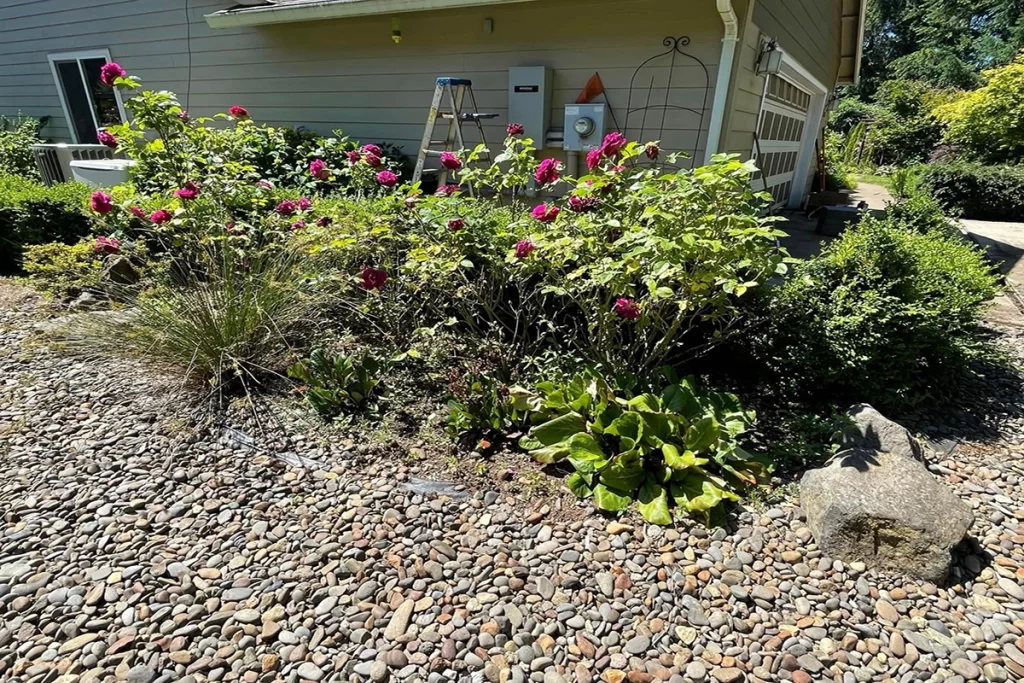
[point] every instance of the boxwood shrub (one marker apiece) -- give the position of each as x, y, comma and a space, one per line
993, 193
31, 213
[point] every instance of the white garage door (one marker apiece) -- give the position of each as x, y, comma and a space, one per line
781, 130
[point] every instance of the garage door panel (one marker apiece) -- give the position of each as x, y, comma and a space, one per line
780, 134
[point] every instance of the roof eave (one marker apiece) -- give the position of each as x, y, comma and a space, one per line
334, 9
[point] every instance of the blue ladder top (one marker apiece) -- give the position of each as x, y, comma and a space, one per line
451, 80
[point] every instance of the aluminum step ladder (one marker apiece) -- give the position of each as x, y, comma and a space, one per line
456, 89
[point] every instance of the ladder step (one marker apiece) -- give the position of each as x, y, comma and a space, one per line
449, 80
466, 116
438, 142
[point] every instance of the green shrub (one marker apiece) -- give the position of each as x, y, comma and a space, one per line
975, 191
338, 382
839, 161
921, 213
62, 271
676, 453
884, 315
904, 132
31, 213
16, 139
479, 406
987, 124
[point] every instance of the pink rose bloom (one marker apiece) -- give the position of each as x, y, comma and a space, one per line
625, 307
515, 129
593, 159
137, 212
456, 224
387, 179
304, 204
238, 112
101, 202
323, 221
652, 151
450, 161
372, 160
373, 149
105, 138
183, 115
189, 191
583, 204
524, 248
110, 72
298, 225
353, 156
108, 245
286, 208
613, 144
318, 169
545, 213
373, 278
265, 184
448, 190
548, 172
160, 216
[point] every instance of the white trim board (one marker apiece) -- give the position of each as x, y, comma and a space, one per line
78, 56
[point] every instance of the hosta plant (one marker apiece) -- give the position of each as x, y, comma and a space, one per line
336, 383
675, 454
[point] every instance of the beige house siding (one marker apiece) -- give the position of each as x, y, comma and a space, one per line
807, 30
347, 73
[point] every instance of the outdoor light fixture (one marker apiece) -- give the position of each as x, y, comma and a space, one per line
396, 31
769, 61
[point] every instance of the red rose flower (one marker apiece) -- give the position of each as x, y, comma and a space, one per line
304, 204
372, 160
298, 225
625, 307
238, 112
515, 129
286, 208
137, 212
323, 221
613, 144
524, 248
545, 213
160, 216
353, 156
448, 190
652, 151
593, 159
105, 138
373, 278
101, 202
373, 149
456, 224
583, 204
110, 72
318, 169
450, 161
548, 172
189, 191
387, 179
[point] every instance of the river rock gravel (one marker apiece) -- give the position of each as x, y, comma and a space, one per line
136, 548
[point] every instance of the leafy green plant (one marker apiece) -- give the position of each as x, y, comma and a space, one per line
338, 382
977, 191
676, 453
480, 408
16, 139
885, 315
31, 213
62, 271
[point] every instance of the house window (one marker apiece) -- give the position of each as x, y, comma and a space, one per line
88, 102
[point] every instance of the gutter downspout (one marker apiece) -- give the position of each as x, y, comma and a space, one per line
729, 41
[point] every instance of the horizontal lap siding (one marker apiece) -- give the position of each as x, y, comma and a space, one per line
807, 30
347, 74
746, 101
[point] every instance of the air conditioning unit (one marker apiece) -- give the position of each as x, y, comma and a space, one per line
54, 160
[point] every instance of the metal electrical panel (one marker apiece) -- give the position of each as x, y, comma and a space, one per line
584, 127
529, 101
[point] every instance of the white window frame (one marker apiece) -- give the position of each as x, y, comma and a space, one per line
78, 56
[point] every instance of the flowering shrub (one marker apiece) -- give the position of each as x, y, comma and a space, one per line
676, 453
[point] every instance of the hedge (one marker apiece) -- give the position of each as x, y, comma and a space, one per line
31, 213
994, 193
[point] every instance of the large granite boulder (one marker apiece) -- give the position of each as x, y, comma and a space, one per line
869, 429
886, 510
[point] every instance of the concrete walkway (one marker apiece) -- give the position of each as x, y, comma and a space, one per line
1004, 244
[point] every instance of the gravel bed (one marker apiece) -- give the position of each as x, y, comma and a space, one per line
135, 549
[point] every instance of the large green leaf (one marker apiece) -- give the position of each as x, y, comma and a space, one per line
696, 492
626, 426
645, 403
625, 472
610, 499
680, 398
681, 461
579, 485
559, 429
653, 502
702, 434
550, 454
585, 453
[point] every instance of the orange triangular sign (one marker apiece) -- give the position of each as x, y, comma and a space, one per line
592, 89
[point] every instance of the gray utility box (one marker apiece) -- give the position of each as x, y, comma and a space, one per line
584, 127
529, 101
